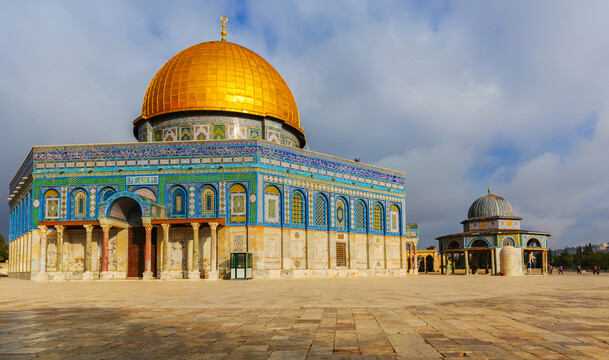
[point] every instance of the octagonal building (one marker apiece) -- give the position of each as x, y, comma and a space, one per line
219, 168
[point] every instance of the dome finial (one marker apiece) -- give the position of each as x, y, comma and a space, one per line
224, 19
489, 189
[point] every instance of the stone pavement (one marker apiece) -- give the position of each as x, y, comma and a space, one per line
424, 317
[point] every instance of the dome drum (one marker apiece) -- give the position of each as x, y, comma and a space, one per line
215, 125
219, 77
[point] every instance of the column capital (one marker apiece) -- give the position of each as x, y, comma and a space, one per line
42, 228
60, 228
213, 225
148, 227
195, 225
88, 227
106, 227
165, 227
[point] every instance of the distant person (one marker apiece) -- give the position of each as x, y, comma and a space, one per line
529, 268
560, 270
550, 269
579, 269
596, 270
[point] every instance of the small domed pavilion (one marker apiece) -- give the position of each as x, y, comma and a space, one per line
490, 230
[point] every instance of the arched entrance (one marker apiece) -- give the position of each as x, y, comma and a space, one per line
128, 211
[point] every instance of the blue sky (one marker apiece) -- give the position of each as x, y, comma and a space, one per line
458, 95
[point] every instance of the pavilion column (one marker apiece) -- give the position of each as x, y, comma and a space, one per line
544, 263
409, 260
105, 245
442, 269
493, 266
415, 258
42, 274
166, 257
466, 262
148, 275
213, 272
193, 268
59, 275
88, 274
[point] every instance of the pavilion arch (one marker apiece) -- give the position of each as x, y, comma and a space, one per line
146, 192
454, 244
479, 243
178, 201
126, 207
208, 201
298, 208
508, 241
534, 243
272, 205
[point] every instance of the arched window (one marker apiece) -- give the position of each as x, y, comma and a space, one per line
378, 218
360, 216
208, 202
80, 204
341, 214
178, 202
51, 204
106, 193
508, 241
272, 205
395, 218
297, 207
238, 210
321, 211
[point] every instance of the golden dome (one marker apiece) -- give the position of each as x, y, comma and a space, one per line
220, 76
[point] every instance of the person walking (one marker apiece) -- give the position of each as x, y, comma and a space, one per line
579, 269
560, 270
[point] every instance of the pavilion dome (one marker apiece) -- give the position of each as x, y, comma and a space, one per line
490, 206
220, 76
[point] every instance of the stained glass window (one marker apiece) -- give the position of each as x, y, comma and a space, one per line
51, 204
297, 215
237, 203
395, 218
178, 205
360, 216
272, 198
80, 205
208, 202
320, 211
341, 214
106, 193
378, 218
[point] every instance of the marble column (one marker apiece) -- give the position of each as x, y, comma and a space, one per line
42, 273
193, 269
493, 266
416, 260
466, 262
148, 275
59, 275
105, 274
88, 274
213, 255
166, 255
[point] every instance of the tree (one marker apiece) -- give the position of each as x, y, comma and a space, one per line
432, 247
3, 249
564, 258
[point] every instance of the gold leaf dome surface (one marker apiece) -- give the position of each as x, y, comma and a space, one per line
220, 76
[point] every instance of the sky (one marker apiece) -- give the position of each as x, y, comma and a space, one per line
458, 95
